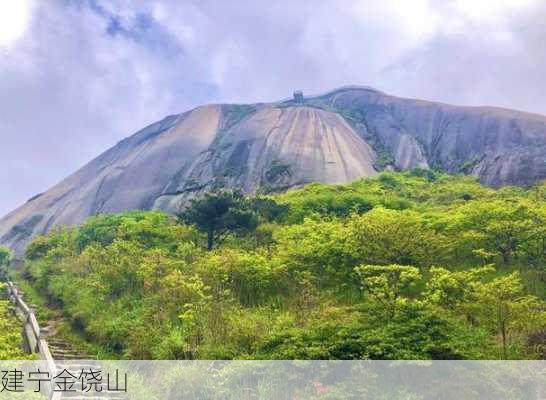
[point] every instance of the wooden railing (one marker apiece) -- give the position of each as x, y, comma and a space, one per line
34, 340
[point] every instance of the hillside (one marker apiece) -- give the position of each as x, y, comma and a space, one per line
337, 137
403, 266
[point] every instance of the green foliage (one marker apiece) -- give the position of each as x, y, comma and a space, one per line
24, 229
11, 345
137, 226
508, 228
468, 166
268, 209
415, 332
38, 248
5, 256
323, 200
395, 237
384, 159
499, 305
236, 113
277, 170
388, 284
504, 308
454, 289
54, 245
220, 213
412, 265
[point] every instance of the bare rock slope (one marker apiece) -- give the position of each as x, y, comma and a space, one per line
333, 138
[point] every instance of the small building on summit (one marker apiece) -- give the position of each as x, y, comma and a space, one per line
298, 96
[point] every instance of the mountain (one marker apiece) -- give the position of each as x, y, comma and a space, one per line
336, 137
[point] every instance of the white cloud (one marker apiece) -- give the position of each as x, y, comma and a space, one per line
490, 9
14, 20
414, 20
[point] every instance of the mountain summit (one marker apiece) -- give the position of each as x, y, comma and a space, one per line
336, 137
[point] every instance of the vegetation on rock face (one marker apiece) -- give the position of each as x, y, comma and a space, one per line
405, 266
25, 228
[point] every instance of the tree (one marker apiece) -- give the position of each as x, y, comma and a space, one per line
316, 246
319, 199
503, 306
453, 289
387, 284
149, 228
220, 213
499, 305
38, 248
384, 236
509, 228
268, 209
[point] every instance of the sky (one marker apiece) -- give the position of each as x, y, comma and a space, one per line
78, 76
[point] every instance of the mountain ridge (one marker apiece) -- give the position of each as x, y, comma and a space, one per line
335, 137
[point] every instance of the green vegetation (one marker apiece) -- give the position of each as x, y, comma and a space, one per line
277, 170
467, 166
5, 257
10, 327
24, 229
384, 159
220, 213
415, 265
236, 113
10, 332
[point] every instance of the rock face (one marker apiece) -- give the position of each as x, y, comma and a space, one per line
333, 138
274, 148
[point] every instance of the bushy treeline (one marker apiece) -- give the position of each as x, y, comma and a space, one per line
404, 266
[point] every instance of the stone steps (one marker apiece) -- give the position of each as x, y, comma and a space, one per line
60, 348
64, 353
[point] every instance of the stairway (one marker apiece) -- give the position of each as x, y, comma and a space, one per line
75, 361
71, 362
60, 348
